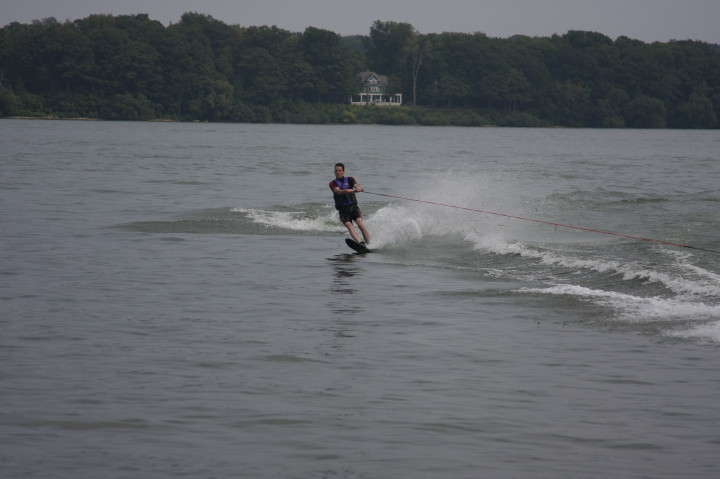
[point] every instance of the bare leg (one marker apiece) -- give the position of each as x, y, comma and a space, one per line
352, 231
365, 232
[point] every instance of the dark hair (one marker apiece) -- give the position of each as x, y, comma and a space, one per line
340, 165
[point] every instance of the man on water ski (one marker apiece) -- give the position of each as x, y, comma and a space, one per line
344, 188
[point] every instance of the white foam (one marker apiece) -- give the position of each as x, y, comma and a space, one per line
700, 283
394, 224
709, 331
292, 220
397, 224
636, 308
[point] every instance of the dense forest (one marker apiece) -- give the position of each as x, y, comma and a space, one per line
200, 69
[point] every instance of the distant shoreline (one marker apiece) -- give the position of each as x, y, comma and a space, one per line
379, 123
53, 117
48, 117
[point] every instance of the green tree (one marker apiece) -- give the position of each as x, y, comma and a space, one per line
187, 60
610, 109
646, 112
214, 99
8, 102
334, 66
387, 47
261, 65
697, 112
127, 106
418, 47
573, 104
131, 67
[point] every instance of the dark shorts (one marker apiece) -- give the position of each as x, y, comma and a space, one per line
349, 213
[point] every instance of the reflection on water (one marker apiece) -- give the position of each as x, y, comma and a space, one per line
345, 269
345, 306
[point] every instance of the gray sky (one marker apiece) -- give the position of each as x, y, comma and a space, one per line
646, 20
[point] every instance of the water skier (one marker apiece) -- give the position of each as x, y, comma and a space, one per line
344, 189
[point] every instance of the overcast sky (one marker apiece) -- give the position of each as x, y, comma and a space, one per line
646, 20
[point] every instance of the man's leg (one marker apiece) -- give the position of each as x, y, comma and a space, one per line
352, 231
365, 233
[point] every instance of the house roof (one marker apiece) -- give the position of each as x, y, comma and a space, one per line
367, 75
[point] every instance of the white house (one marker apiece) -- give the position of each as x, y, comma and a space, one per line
375, 91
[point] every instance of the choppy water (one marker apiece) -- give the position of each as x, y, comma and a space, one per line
177, 301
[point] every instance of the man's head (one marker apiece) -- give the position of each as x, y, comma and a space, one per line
339, 170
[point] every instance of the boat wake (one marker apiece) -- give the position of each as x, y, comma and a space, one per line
631, 281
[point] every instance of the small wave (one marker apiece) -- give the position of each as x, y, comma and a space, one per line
635, 308
702, 283
709, 331
301, 221
245, 221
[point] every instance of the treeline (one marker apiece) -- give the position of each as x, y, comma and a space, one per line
135, 68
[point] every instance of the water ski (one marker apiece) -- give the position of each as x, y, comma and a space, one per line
360, 248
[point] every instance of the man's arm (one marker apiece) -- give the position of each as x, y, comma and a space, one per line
356, 186
339, 191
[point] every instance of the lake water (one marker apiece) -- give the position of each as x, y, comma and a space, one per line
177, 301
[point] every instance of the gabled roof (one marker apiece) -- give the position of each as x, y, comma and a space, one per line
367, 75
